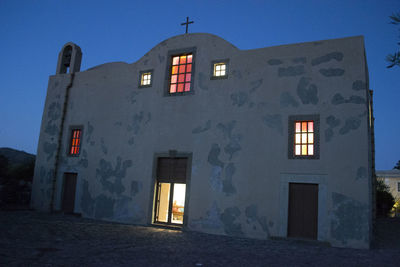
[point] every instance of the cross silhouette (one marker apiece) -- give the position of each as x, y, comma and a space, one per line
187, 23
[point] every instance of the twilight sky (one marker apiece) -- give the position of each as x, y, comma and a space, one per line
32, 32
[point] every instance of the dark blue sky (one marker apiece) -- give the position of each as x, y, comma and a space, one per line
33, 32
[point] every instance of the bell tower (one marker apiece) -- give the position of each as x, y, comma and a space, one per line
69, 59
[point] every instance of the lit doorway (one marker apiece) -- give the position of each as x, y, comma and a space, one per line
170, 191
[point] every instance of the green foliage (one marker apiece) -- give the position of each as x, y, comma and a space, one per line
384, 199
394, 59
397, 165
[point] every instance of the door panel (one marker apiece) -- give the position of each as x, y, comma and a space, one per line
303, 211
69, 192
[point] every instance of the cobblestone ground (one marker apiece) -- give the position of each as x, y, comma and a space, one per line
30, 238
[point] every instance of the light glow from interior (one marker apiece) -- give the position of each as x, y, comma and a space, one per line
304, 138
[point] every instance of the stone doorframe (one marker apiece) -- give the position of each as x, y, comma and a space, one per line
320, 179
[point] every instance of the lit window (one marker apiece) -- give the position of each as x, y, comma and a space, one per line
75, 142
219, 69
181, 73
146, 79
304, 138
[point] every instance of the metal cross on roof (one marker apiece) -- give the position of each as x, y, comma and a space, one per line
187, 23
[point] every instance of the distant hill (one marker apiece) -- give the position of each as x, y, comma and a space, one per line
16, 157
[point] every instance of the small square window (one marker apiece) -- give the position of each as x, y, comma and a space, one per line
303, 137
75, 145
219, 69
146, 78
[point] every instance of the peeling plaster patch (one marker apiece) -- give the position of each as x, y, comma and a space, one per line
51, 129
132, 97
328, 134
217, 167
215, 179
339, 99
359, 85
201, 129
103, 146
338, 56
104, 207
212, 219
291, 71
127, 211
274, 62
301, 60
350, 124
288, 100
136, 187
87, 203
118, 123
361, 173
332, 121
233, 146
228, 187
54, 112
331, 72
228, 218
161, 58
203, 81
131, 141
307, 92
240, 98
105, 172
237, 74
146, 61
255, 84
138, 122
252, 216
274, 122
349, 219
213, 156
227, 128
49, 149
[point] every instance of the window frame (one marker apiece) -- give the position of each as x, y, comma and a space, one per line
69, 146
220, 61
167, 82
141, 73
291, 135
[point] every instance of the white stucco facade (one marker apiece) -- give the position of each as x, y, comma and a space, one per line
235, 133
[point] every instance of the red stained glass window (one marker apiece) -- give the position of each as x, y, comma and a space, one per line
304, 138
75, 141
181, 74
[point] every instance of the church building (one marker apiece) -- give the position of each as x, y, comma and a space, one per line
274, 142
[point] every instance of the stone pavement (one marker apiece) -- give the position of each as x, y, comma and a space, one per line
30, 238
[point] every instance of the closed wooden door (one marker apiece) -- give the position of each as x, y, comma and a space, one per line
303, 211
69, 192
